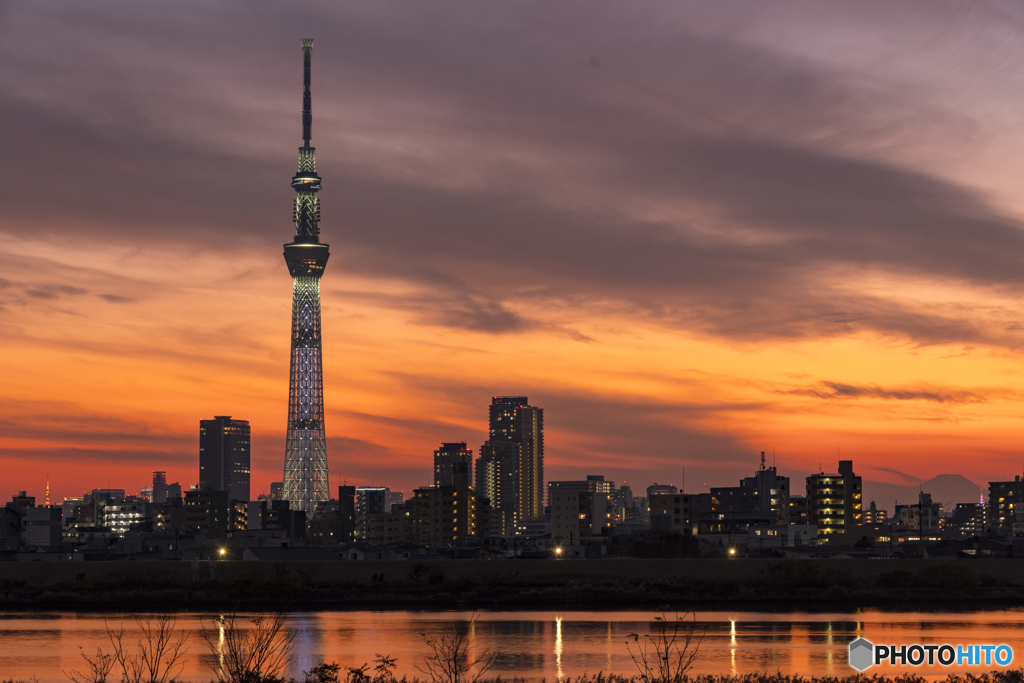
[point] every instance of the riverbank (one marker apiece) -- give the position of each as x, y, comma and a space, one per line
469, 584
1008, 676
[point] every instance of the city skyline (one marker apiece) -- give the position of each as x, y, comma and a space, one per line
688, 251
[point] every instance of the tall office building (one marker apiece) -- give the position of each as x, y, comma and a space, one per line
513, 457
159, 487
224, 456
305, 458
446, 456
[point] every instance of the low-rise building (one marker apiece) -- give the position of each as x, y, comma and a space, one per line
41, 528
577, 514
1005, 498
207, 513
782, 536
874, 517
124, 515
923, 517
674, 513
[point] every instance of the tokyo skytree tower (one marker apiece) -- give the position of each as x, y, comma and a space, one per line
305, 457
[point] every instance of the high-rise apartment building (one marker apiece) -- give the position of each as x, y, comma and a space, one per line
372, 502
224, 456
497, 481
834, 502
446, 456
513, 456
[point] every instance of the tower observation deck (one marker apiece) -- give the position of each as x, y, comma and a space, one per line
305, 458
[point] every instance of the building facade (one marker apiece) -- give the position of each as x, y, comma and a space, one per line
968, 519
516, 434
207, 512
834, 501
596, 508
224, 459
41, 527
441, 515
924, 516
370, 501
673, 513
577, 513
497, 481
446, 456
1005, 502
874, 516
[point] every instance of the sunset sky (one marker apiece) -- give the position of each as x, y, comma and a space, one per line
690, 231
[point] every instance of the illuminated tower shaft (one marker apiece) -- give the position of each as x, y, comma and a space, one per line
305, 458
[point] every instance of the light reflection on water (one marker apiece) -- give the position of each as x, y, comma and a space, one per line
533, 644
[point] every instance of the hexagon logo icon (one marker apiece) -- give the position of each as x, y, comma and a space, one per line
861, 654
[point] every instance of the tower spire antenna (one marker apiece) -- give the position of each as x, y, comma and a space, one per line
307, 99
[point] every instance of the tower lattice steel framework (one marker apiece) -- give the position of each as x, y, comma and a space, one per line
305, 458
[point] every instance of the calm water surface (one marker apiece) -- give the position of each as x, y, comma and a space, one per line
533, 644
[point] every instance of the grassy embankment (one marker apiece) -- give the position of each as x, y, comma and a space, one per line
682, 584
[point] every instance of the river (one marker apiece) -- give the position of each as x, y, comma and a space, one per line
533, 645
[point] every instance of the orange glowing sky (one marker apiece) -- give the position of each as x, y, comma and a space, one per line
690, 231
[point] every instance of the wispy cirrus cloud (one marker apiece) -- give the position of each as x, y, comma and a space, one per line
840, 391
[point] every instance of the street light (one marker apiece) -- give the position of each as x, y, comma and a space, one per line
223, 552
732, 552
558, 551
